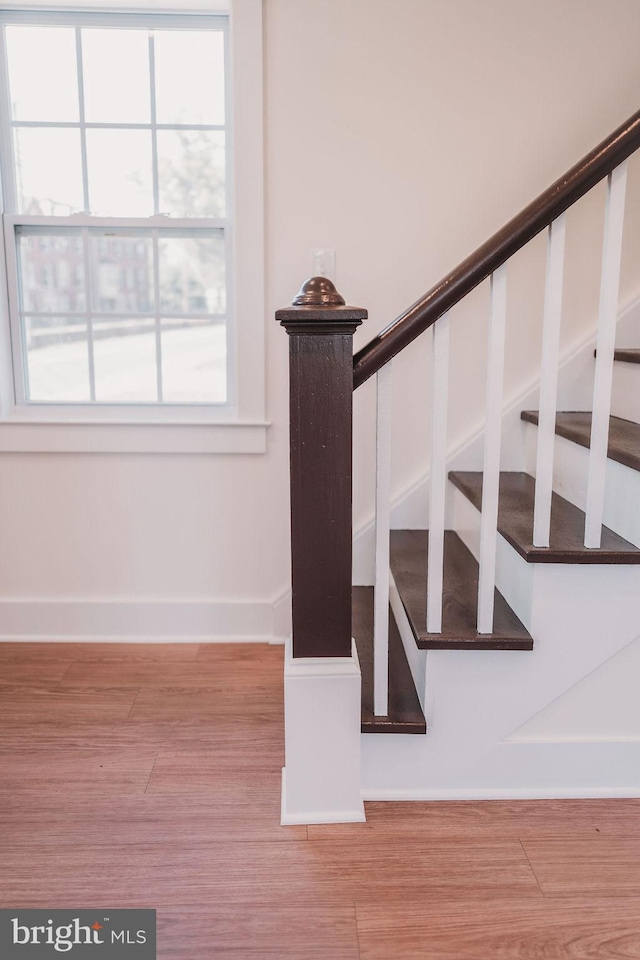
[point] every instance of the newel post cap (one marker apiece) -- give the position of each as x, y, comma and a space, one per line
319, 301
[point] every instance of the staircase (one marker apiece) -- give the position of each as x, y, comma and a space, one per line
526, 584
408, 561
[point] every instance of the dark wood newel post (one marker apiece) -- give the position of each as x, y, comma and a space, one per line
321, 329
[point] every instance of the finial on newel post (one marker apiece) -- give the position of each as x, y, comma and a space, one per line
318, 292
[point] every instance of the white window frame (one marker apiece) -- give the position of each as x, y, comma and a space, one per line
235, 427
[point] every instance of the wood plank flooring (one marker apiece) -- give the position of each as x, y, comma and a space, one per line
149, 775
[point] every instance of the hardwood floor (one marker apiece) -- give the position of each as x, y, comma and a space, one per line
149, 775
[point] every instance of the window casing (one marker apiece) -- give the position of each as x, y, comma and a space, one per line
153, 275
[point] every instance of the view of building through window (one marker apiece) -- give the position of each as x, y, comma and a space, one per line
117, 193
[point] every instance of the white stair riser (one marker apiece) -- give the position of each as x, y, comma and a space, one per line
622, 485
625, 396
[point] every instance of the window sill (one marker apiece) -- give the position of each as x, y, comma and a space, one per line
28, 436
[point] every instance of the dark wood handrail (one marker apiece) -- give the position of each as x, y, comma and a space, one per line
498, 249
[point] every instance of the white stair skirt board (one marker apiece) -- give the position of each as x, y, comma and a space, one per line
321, 776
531, 771
572, 718
580, 617
622, 484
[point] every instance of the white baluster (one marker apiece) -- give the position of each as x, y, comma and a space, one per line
492, 443
549, 381
438, 474
605, 345
383, 501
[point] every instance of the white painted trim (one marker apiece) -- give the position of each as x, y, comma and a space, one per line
322, 716
159, 638
143, 7
103, 224
520, 793
438, 473
245, 433
549, 380
381, 581
544, 740
247, 230
282, 616
287, 819
603, 381
417, 659
133, 438
492, 447
140, 621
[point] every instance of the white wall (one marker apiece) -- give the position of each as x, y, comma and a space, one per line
401, 135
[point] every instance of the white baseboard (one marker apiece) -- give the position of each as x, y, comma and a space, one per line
355, 815
282, 617
534, 793
151, 621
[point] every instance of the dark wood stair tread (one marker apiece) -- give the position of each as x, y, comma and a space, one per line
515, 523
460, 597
625, 355
405, 712
624, 435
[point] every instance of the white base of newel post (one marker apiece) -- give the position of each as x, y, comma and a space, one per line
321, 776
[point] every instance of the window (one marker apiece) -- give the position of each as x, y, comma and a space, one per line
124, 303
